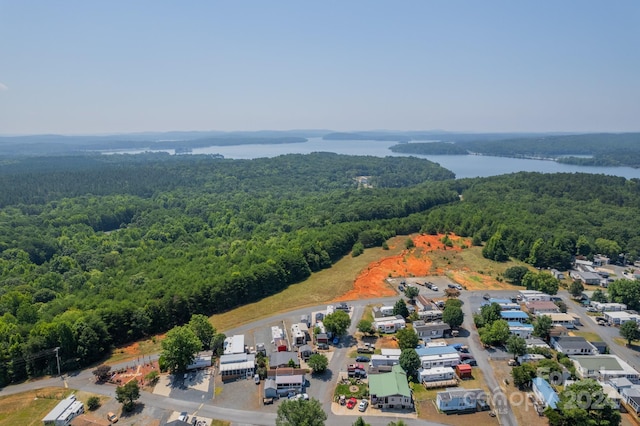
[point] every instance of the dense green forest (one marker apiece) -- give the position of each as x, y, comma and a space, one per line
97, 251
430, 148
597, 149
545, 219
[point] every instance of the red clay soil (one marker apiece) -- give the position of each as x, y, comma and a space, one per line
370, 283
138, 370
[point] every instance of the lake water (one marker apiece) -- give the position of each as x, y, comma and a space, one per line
463, 166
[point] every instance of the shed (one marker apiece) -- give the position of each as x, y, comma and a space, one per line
322, 338
281, 345
464, 371
270, 388
305, 351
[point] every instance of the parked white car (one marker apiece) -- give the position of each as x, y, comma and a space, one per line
363, 405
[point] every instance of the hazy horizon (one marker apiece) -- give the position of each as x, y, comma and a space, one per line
87, 68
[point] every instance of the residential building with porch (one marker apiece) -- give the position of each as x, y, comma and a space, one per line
431, 330
459, 400
573, 345
390, 390
542, 306
519, 329
544, 393
603, 368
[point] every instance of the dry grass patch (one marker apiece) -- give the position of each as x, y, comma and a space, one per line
136, 350
321, 287
525, 413
29, 408
589, 335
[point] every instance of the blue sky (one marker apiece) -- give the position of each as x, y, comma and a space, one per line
126, 66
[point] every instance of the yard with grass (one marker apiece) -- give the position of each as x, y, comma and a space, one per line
520, 404
425, 401
354, 388
29, 408
588, 335
321, 287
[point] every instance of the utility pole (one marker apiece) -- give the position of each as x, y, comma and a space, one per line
58, 359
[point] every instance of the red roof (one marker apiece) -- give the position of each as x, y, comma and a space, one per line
463, 368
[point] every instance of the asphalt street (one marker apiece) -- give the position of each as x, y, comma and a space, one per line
322, 387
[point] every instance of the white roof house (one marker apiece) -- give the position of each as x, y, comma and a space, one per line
381, 360
604, 307
562, 319
533, 296
436, 374
64, 412
618, 318
440, 360
603, 367
234, 344
389, 324
276, 333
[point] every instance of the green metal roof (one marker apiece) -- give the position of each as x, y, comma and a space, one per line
596, 363
388, 384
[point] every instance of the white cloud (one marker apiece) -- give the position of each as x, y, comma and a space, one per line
3, 87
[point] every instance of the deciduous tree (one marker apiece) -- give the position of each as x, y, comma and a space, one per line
203, 329
542, 326
365, 326
400, 308
318, 363
128, 394
576, 288
407, 338
629, 331
179, 348
337, 322
410, 362
515, 274
298, 412
411, 292
453, 316
516, 346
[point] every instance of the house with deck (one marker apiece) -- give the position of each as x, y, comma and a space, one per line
389, 324
455, 400
431, 330
519, 329
544, 393
518, 316
390, 390
603, 368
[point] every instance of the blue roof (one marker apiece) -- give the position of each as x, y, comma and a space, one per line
519, 324
544, 388
500, 301
514, 315
438, 350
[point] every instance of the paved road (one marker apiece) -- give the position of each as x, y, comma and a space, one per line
83, 380
606, 333
472, 300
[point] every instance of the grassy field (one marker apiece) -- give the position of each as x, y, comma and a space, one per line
590, 336
29, 408
471, 259
319, 288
